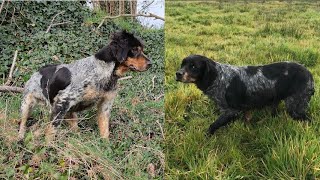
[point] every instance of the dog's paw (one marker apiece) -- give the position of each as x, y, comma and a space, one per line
210, 131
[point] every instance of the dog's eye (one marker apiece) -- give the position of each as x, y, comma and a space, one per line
134, 50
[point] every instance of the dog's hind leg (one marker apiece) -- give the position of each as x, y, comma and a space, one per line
274, 109
26, 106
59, 110
224, 119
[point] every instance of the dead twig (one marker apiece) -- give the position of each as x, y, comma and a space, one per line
159, 97
56, 24
161, 129
9, 80
124, 78
144, 7
130, 15
2, 4
154, 77
5, 15
11, 89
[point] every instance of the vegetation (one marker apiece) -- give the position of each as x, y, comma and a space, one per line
134, 149
240, 33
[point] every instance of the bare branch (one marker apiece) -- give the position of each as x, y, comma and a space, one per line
130, 15
161, 129
2, 4
9, 80
5, 15
145, 6
54, 17
57, 24
124, 78
11, 89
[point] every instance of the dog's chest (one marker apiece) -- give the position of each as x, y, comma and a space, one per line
93, 93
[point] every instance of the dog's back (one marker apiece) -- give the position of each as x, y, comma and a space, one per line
250, 87
66, 76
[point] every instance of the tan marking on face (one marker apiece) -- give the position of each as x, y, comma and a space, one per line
90, 93
121, 70
140, 63
187, 78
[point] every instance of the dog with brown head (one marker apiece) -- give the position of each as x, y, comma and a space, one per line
127, 52
70, 88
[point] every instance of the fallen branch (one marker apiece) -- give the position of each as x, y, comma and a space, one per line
124, 78
56, 24
130, 15
9, 80
11, 89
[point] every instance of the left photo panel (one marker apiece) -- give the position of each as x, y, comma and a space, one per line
81, 89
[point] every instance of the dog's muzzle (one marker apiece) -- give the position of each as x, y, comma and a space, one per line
179, 75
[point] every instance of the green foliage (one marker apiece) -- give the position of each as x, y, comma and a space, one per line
240, 33
137, 115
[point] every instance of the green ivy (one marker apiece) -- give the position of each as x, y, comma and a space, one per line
23, 28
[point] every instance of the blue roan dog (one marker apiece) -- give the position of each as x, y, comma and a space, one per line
70, 88
239, 89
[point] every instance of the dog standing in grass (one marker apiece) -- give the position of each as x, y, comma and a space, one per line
239, 89
70, 88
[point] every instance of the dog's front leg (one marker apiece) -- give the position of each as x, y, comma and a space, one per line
104, 109
223, 120
59, 110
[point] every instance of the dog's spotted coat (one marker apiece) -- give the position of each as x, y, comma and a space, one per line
69, 88
236, 89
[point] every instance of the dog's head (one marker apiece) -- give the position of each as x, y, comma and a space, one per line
127, 51
197, 69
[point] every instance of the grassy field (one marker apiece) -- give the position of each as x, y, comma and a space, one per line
240, 34
136, 126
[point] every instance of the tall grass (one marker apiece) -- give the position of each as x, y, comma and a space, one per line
240, 33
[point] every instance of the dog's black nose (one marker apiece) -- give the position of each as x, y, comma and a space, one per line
179, 75
149, 64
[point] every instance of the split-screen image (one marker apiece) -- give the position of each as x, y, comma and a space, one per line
159, 89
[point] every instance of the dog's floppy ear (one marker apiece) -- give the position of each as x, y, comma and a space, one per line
120, 51
209, 74
120, 45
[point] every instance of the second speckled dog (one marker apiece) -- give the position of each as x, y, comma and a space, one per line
237, 89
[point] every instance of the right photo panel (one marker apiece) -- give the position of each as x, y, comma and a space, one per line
242, 90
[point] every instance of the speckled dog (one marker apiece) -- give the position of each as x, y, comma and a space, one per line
69, 88
239, 89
